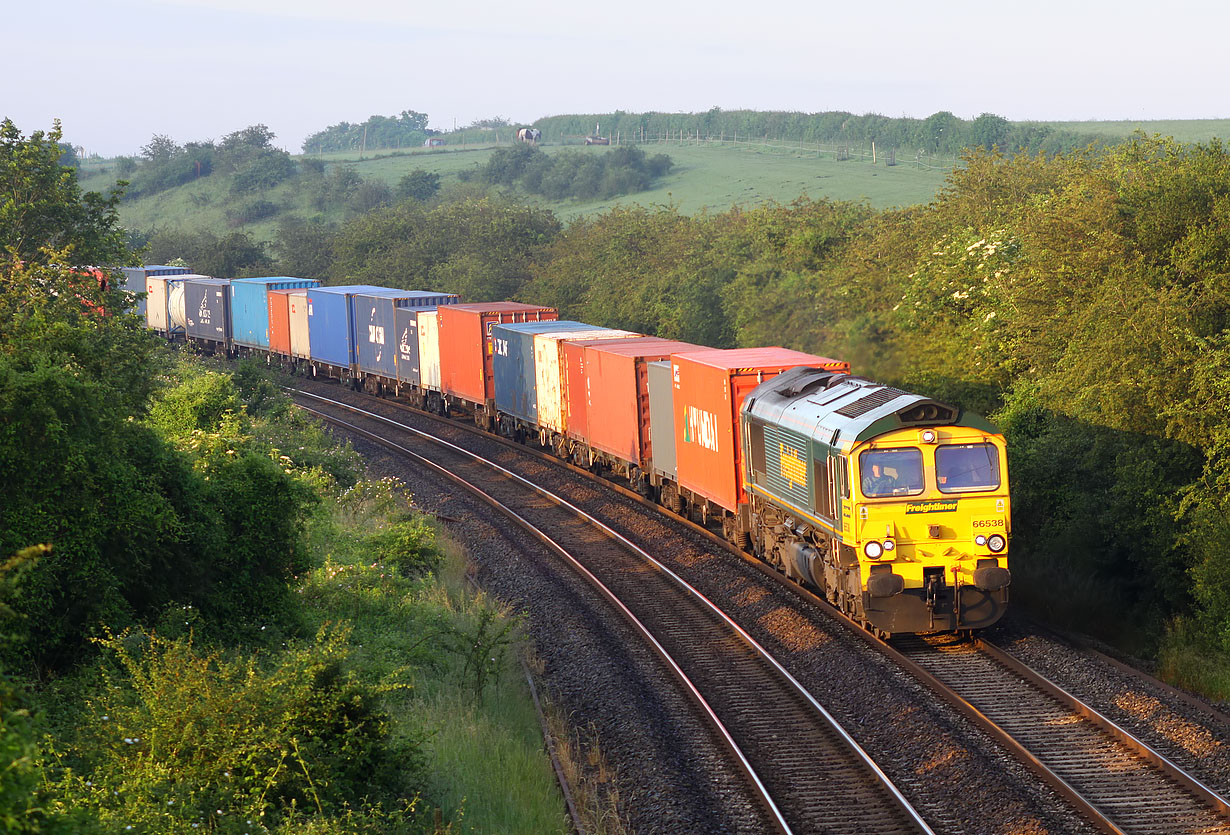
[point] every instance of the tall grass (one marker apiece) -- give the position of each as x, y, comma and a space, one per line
484, 746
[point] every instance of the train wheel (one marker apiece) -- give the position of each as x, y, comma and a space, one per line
671, 499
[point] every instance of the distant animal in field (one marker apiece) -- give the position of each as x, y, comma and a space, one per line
530, 135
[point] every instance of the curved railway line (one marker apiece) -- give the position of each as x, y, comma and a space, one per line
1113, 781
816, 780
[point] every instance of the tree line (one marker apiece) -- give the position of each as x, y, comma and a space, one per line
405, 130
939, 133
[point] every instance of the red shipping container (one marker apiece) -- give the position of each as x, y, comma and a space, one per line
465, 344
614, 388
708, 388
279, 321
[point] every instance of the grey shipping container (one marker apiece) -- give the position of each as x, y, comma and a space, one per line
207, 303
662, 418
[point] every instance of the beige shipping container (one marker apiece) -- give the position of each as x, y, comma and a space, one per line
296, 304
549, 374
429, 350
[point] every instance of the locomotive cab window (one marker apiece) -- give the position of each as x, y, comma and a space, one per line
891, 472
966, 468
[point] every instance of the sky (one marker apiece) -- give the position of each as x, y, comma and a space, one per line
117, 72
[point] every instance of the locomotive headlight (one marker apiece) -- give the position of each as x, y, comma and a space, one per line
889, 545
980, 540
874, 550
928, 436
996, 542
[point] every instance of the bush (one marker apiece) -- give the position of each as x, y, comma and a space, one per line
178, 736
262, 171
409, 546
251, 211
574, 174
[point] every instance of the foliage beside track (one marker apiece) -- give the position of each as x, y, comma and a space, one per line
190, 637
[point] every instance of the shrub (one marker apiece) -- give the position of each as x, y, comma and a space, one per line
178, 736
409, 546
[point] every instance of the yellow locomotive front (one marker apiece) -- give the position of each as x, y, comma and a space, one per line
895, 506
931, 526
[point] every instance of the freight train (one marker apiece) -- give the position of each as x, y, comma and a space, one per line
894, 506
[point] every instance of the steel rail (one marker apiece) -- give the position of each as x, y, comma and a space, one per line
853, 745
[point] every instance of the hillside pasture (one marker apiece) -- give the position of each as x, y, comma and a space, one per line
705, 177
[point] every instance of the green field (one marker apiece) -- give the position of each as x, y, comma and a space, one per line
710, 177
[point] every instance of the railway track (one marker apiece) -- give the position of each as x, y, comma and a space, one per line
1108, 777
809, 773
1122, 784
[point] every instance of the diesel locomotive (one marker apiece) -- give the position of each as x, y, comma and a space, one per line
894, 505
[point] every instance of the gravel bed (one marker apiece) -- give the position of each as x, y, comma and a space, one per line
668, 773
1193, 738
957, 778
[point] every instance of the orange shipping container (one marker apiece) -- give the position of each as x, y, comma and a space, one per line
279, 321
465, 344
614, 389
708, 391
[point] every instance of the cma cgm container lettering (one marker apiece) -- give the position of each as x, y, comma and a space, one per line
250, 306
134, 280
615, 392
164, 302
708, 390
512, 363
207, 302
466, 352
331, 334
551, 374
376, 328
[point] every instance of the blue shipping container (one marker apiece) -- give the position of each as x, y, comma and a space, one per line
207, 303
250, 306
375, 325
512, 363
331, 334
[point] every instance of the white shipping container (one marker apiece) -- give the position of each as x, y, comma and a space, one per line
549, 371
429, 350
159, 290
297, 309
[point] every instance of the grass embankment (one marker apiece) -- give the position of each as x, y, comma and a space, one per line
453, 654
